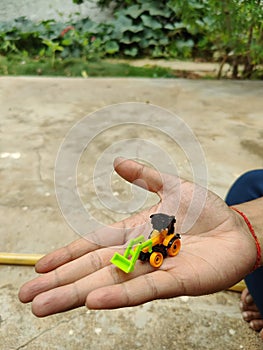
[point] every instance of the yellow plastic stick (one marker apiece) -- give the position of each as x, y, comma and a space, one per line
19, 259
239, 287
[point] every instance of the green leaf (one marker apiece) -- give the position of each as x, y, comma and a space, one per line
136, 38
164, 41
121, 24
112, 47
169, 26
144, 43
148, 21
134, 11
135, 28
149, 34
131, 52
66, 42
126, 39
153, 42
156, 11
129, 39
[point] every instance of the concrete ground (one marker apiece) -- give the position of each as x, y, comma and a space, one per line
36, 114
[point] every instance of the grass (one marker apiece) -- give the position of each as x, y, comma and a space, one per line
16, 65
19, 65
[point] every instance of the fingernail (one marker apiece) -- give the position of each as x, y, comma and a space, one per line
241, 305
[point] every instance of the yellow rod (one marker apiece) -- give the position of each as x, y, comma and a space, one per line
239, 287
19, 259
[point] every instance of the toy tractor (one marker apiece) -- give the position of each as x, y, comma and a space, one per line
161, 242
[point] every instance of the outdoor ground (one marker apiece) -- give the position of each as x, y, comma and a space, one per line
36, 114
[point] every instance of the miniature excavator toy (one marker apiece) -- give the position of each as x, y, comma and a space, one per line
161, 242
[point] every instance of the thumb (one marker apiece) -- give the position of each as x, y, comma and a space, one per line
139, 174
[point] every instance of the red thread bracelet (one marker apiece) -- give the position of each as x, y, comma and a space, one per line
251, 229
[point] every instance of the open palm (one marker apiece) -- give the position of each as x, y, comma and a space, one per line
216, 252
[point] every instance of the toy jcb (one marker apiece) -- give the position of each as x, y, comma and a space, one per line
161, 242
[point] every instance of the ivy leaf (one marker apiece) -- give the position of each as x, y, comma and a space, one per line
164, 41
136, 38
126, 39
131, 52
144, 43
153, 42
121, 25
150, 22
135, 28
149, 34
90, 27
112, 47
134, 11
169, 26
157, 11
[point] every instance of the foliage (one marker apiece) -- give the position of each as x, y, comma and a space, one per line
223, 30
146, 29
234, 27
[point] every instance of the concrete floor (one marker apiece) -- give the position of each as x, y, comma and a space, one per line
35, 115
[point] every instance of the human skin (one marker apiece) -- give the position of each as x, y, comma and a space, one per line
250, 312
217, 252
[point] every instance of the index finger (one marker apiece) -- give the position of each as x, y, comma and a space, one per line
114, 235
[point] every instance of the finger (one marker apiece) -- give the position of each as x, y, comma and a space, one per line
64, 255
74, 295
66, 274
139, 174
155, 285
58, 300
112, 235
104, 236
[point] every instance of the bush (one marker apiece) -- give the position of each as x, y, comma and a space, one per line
223, 30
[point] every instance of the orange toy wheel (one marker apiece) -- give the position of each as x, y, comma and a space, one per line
175, 248
156, 259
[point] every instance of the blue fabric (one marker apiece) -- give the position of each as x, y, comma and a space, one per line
247, 187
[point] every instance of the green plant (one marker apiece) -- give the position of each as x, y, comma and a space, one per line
53, 47
233, 29
145, 28
222, 30
239, 34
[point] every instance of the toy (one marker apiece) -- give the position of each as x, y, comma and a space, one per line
161, 242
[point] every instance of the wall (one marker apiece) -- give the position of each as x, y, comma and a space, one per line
48, 9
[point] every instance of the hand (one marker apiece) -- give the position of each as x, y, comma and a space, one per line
217, 251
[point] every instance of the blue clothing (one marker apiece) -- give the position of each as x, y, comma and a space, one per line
247, 187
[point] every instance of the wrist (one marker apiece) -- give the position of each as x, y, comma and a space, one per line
251, 214
250, 230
